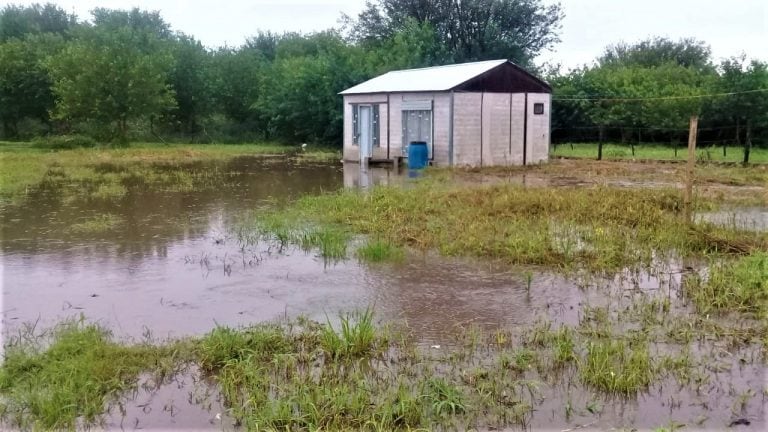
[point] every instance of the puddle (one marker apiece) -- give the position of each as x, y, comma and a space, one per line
183, 403
746, 218
172, 267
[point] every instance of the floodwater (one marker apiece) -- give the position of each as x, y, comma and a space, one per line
174, 267
749, 218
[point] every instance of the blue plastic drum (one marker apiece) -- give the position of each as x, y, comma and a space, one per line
418, 155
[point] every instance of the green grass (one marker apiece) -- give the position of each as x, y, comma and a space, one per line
380, 251
602, 228
617, 366
659, 152
304, 375
51, 382
739, 285
355, 338
330, 241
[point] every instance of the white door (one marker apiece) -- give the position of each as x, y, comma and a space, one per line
366, 135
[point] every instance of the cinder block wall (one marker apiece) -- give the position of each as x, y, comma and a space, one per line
518, 114
500, 140
496, 146
466, 129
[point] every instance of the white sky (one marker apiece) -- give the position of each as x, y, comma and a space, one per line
731, 27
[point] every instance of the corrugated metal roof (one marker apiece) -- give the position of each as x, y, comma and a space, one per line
438, 78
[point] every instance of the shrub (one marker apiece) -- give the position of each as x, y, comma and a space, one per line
64, 142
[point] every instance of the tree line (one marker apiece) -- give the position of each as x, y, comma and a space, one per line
127, 75
647, 92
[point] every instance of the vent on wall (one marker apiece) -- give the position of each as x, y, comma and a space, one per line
417, 105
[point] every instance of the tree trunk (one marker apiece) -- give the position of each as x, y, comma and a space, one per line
122, 131
625, 136
10, 128
600, 150
639, 139
675, 143
748, 143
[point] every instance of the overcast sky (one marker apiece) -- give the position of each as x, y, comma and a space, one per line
731, 27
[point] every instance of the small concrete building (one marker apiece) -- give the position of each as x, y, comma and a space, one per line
472, 114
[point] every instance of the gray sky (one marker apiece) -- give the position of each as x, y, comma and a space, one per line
731, 27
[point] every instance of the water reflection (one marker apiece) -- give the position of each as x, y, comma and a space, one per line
361, 176
746, 218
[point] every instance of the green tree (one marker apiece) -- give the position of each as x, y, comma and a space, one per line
112, 77
414, 45
237, 76
191, 80
25, 86
299, 95
748, 108
469, 29
659, 51
148, 24
20, 21
633, 97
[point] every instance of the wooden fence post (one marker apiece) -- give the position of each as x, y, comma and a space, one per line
687, 198
748, 143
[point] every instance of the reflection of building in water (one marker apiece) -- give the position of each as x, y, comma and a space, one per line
361, 176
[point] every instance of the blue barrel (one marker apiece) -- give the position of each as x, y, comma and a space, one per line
418, 155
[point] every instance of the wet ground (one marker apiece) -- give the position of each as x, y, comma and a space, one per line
173, 266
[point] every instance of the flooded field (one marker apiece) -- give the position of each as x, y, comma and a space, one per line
170, 263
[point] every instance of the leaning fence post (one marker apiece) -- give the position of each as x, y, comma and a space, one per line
687, 198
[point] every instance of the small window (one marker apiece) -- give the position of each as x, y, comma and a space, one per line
538, 108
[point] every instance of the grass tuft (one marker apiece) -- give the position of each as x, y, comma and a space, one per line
617, 366
739, 285
380, 251
72, 373
356, 336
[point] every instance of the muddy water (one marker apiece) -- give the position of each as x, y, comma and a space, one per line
174, 267
750, 218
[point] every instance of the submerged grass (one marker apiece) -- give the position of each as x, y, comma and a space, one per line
302, 375
104, 173
356, 337
96, 225
739, 285
380, 251
601, 228
72, 373
617, 366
